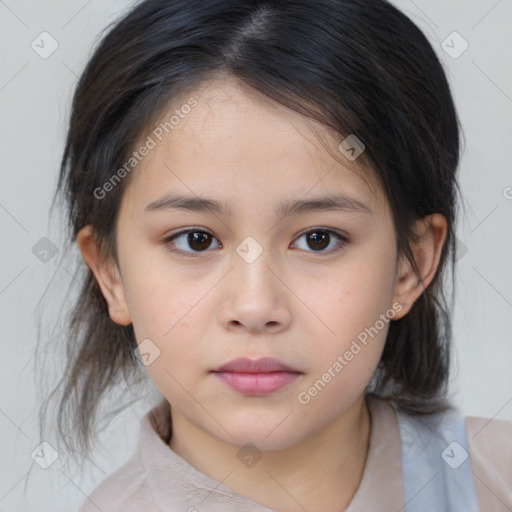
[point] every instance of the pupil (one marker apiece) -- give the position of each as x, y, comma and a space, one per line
198, 239
319, 238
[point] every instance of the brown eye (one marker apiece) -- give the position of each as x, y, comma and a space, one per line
199, 240
190, 241
318, 240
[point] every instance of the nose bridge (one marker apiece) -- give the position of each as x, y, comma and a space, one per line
255, 298
252, 262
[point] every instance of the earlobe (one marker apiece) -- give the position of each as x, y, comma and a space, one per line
107, 275
431, 231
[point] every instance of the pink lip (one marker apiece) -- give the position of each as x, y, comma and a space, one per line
256, 377
262, 365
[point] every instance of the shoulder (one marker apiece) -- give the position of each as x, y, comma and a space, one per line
126, 489
490, 454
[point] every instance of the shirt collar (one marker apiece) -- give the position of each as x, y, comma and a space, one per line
176, 483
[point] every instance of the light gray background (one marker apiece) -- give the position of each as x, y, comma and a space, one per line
35, 96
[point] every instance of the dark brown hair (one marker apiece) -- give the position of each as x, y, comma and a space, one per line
358, 66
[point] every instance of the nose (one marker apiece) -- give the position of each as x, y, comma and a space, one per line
255, 299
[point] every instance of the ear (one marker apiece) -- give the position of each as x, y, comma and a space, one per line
431, 231
107, 275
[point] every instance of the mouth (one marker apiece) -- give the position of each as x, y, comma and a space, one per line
256, 376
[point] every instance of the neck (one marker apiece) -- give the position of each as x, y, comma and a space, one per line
321, 473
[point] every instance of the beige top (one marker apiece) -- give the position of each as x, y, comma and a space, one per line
156, 479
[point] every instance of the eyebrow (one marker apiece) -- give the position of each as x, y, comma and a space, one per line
330, 202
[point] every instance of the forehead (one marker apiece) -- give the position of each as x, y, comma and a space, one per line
234, 139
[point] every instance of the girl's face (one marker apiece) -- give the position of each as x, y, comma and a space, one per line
270, 273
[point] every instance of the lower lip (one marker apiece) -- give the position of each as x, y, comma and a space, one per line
257, 383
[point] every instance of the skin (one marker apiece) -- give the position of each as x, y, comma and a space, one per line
301, 306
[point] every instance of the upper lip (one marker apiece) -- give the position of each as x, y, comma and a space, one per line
262, 365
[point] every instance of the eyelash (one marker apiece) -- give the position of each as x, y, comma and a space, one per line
342, 240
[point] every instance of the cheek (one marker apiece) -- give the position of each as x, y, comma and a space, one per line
345, 362
357, 309
172, 318
356, 299
159, 298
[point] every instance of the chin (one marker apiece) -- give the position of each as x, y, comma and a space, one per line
267, 433
262, 442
